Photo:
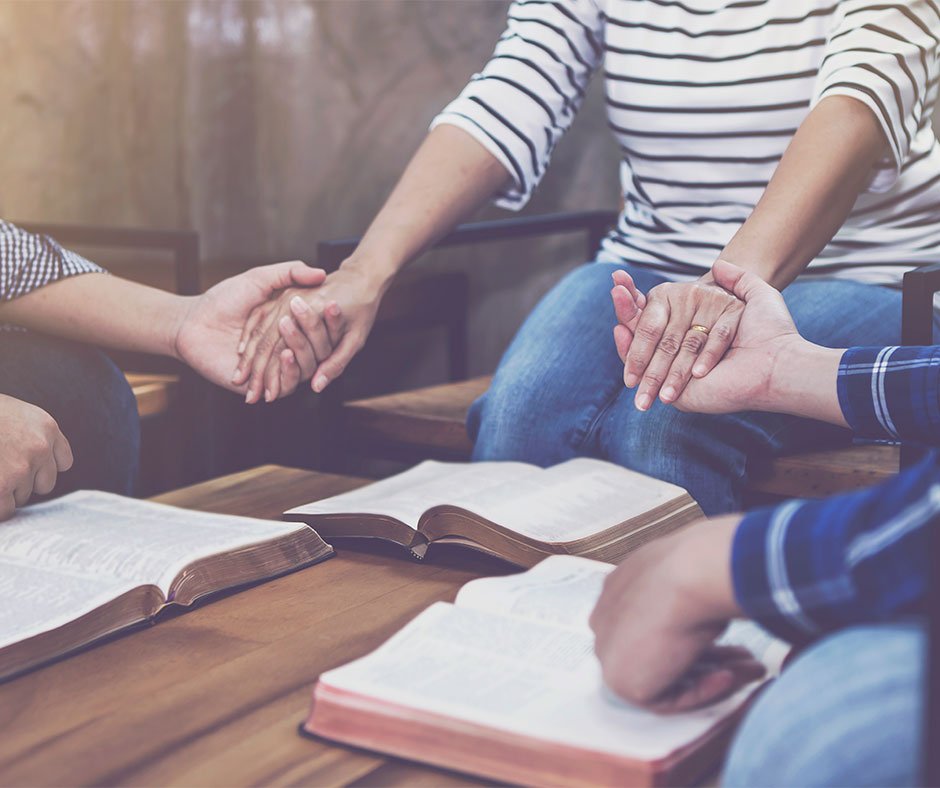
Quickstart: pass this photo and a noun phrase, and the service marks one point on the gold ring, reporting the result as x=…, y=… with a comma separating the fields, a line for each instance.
x=699, y=328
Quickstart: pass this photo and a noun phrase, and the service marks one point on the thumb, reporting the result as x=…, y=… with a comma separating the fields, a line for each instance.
x=744, y=284
x=277, y=276
x=333, y=367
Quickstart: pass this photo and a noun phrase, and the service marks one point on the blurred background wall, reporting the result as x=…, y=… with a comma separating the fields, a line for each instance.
x=265, y=125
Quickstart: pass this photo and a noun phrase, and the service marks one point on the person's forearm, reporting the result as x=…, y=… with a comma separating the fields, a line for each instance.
x=101, y=310
x=824, y=169
x=449, y=176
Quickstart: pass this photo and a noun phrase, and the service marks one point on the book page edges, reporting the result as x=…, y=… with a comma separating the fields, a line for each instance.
x=358, y=525
x=144, y=601
x=248, y=564
x=443, y=522
x=458, y=744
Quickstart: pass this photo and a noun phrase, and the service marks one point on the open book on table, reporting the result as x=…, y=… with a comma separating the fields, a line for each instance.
x=504, y=684
x=78, y=568
x=514, y=510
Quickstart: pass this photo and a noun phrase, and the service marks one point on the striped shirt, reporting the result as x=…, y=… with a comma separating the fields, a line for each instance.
x=29, y=261
x=703, y=97
x=806, y=567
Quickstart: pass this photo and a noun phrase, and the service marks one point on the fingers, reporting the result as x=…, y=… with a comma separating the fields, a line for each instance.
x=251, y=329
x=335, y=322
x=290, y=375
x=44, y=480
x=333, y=367
x=625, y=306
x=743, y=284
x=719, y=340
x=302, y=353
x=313, y=325
x=622, y=339
x=664, y=351
x=623, y=279
x=62, y=453
x=680, y=373
x=646, y=338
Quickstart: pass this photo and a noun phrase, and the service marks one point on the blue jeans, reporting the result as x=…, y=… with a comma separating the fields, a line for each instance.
x=558, y=392
x=848, y=711
x=87, y=396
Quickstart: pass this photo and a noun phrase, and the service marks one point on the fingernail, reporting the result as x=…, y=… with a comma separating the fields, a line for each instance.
x=630, y=380
x=320, y=383
x=643, y=401
x=241, y=347
x=668, y=394
x=248, y=396
x=698, y=370
x=286, y=323
x=298, y=304
x=333, y=309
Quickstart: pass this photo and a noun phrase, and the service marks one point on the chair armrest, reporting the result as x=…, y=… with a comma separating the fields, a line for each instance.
x=184, y=244
x=595, y=223
x=917, y=305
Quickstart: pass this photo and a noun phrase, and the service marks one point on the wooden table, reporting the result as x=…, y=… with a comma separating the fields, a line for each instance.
x=213, y=696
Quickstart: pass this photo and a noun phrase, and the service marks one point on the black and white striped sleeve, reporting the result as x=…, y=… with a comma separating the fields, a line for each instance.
x=29, y=261
x=526, y=96
x=886, y=56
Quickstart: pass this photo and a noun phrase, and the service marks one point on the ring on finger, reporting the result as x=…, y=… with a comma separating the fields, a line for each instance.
x=700, y=328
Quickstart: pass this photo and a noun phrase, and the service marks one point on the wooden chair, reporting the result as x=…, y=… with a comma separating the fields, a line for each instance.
x=166, y=392
x=429, y=422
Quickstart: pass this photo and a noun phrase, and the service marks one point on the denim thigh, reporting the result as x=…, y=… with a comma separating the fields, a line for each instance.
x=848, y=711
x=88, y=397
x=558, y=391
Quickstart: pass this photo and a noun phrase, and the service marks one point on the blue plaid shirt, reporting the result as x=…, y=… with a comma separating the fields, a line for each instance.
x=805, y=567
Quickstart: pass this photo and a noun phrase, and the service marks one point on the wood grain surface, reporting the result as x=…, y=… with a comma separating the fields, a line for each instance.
x=213, y=695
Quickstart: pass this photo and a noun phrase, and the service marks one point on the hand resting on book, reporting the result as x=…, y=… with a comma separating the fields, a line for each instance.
x=659, y=615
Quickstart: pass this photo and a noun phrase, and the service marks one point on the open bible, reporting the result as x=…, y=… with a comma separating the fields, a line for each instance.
x=78, y=568
x=504, y=684
x=514, y=510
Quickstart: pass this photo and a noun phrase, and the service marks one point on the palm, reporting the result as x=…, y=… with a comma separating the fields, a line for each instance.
x=208, y=337
x=744, y=372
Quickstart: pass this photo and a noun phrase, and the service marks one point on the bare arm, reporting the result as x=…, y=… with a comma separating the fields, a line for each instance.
x=450, y=176
x=824, y=169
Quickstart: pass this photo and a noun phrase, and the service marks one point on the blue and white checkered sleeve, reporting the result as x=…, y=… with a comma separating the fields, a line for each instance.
x=892, y=392
x=807, y=567
x=29, y=261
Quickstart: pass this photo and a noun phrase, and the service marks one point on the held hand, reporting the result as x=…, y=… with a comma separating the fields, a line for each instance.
x=324, y=328
x=657, y=618
x=32, y=454
x=208, y=334
x=684, y=325
x=741, y=380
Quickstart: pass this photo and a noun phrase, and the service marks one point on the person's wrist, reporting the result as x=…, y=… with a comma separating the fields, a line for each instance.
x=703, y=568
x=177, y=311
x=801, y=377
x=375, y=271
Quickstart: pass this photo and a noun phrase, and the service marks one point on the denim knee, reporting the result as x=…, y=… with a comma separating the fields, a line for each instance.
x=846, y=712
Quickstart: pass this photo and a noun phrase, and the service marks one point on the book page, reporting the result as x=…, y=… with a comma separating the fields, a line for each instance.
x=406, y=496
x=562, y=590
x=106, y=536
x=571, y=500
x=37, y=600
x=518, y=676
